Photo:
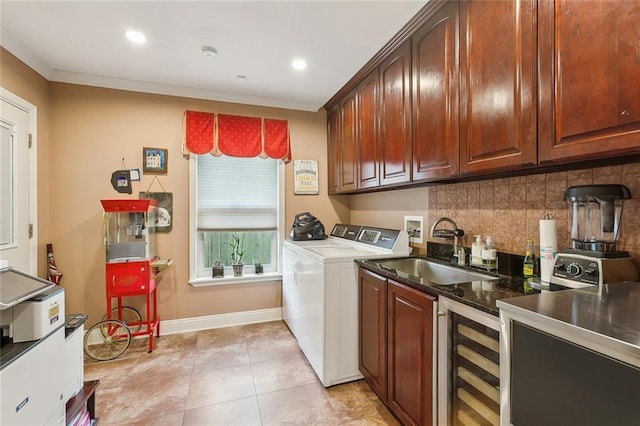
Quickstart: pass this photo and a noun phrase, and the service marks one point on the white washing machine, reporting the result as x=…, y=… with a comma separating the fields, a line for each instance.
x=320, y=294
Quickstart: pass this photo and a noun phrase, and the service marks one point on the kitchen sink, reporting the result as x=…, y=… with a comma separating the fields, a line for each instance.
x=428, y=271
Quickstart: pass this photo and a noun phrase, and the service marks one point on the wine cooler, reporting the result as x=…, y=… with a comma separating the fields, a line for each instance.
x=468, y=365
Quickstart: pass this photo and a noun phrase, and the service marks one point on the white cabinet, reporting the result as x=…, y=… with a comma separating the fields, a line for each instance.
x=33, y=384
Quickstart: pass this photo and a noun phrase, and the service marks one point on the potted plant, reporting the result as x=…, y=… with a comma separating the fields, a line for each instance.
x=217, y=270
x=236, y=245
x=258, y=267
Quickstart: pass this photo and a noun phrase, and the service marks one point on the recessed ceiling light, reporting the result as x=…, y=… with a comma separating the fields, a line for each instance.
x=241, y=78
x=136, y=36
x=209, y=51
x=299, y=64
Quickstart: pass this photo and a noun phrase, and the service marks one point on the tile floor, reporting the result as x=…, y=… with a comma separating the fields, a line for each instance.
x=245, y=375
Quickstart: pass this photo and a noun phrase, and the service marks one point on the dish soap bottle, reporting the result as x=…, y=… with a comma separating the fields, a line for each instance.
x=476, y=251
x=489, y=255
x=529, y=263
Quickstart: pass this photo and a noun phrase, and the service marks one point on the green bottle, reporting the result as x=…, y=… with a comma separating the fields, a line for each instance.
x=529, y=264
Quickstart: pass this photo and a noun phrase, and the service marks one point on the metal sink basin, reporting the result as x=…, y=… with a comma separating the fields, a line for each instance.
x=427, y=271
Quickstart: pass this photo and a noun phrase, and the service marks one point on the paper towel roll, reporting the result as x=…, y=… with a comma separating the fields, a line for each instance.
x=548, y=247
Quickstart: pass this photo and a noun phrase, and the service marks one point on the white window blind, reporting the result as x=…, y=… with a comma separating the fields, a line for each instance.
x=237, y=193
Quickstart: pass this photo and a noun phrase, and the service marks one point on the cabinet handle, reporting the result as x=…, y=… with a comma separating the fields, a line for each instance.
x=442, y=314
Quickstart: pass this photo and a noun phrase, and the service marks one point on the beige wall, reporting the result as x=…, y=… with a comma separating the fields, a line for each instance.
x=388, y=209
x=86, y=132
x=92, y=131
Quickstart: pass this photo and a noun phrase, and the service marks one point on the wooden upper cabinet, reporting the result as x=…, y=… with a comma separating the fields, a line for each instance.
x=395, y=116
x=589, y=79
x=347, y=145
x=333, y=140
x=367, y=127
x=435, y=96
x=498, y=88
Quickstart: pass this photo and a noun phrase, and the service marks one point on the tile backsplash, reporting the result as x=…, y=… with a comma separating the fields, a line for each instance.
x=509, y=209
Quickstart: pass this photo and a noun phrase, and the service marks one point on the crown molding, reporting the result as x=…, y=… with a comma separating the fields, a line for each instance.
x=186, y=92
x=20, y=51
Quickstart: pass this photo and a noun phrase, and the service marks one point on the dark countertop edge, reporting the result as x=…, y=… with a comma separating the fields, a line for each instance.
x=456, y=292
x=69, y=325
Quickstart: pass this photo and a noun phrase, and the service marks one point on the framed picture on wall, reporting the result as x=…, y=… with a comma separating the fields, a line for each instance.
x=154, y=161
x=305, y=177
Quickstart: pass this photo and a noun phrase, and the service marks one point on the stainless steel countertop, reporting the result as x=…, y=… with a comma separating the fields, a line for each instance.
x=606, y=321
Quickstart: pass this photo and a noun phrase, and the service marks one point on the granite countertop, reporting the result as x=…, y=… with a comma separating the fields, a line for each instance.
x=481, y=295
x=608, y=318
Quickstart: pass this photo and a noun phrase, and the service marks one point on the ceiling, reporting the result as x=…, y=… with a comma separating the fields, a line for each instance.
x=83, y=42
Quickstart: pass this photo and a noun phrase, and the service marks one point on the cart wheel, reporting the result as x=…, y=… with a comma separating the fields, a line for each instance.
x=113, y=339
x=130, y=316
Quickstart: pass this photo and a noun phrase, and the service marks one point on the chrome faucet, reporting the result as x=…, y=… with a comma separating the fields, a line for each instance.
x=447, y=234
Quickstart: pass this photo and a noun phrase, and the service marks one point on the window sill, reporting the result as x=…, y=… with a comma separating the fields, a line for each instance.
x=244, y=279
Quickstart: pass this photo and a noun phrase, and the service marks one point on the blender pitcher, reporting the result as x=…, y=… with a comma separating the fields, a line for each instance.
x=596, y=212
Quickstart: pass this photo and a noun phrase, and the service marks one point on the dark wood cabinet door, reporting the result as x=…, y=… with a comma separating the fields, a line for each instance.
x=372, y=327
x=410, y=358
x=333, y=141
x=395, y=117
x=367, y=121
x=435, y=96
x=498, y=89
x=348, y=177
x=589, y=62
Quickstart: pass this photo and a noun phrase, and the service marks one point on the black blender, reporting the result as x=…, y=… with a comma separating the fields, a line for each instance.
x=594, y=259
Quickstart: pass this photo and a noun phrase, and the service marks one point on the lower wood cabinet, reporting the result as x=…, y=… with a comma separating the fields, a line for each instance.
x=396, y=325
x=372, y=327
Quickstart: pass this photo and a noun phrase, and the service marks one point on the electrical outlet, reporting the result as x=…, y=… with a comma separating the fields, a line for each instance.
x=413, y=227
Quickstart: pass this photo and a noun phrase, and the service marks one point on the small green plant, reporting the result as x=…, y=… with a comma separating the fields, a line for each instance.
x=257, y=267
x=236, y=245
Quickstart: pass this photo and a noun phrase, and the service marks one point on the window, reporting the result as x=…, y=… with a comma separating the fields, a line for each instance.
x=234, y=197
x=7, y=190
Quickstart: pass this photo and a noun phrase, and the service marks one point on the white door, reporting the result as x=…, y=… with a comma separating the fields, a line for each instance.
x=17, y=184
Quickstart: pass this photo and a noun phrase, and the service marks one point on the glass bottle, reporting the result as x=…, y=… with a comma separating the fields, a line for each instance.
x=489, y=255
x=529, y=263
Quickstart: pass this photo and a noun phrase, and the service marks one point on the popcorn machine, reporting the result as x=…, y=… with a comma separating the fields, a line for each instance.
x=132, y=265
x=130, y=232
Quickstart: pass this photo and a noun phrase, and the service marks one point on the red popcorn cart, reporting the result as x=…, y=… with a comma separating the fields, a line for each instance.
x=132, y=269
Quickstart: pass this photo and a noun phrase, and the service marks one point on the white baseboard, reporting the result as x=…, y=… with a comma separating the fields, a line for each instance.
x=217, y=321
x=185, y=325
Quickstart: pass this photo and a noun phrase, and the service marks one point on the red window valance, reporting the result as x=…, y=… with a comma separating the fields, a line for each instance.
x=235, y=136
